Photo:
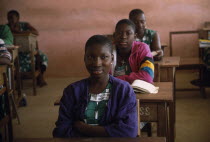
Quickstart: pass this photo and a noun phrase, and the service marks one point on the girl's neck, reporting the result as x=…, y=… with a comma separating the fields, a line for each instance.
x=97, y=85
x=140, y=34
x=124, y=54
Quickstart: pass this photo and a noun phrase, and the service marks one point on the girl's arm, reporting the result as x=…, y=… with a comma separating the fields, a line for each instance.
x=156, y=47
x=64, y=124
x=89, y=130
x=32, y=29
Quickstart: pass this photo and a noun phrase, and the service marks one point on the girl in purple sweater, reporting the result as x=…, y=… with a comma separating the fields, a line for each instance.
x=101, y=105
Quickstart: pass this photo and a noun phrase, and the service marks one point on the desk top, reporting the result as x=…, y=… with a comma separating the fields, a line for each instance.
x=193, y=61
x=12, y=47
x=24, y=34
x=173, y=61
x=138, y=139
x=165, y=93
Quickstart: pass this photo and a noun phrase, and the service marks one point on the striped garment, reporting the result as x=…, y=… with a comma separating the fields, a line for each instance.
x=147, y=65
x=141, y=63
x=4, y=53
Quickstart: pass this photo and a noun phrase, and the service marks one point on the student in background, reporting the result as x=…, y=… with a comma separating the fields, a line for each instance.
x=18, y=27
x=6, y=34
x=133, y=58
x=101, y=105
x=145, y=35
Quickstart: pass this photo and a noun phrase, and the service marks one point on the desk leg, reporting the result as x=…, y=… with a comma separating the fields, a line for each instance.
x=18, y=77
x=202, y=88
x=162, y=120
x=172, y=110
x=171, y=121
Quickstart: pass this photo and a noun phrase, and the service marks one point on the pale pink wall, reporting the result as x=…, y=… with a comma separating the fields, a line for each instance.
x=65, y=25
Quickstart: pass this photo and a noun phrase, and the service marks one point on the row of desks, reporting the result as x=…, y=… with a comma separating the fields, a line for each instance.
x=155, y=107
x=160, y=107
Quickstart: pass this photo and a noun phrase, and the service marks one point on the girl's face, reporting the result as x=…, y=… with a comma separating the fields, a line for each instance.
x=140, y=22
x=12, y=18
x=124, y=36
x=98, y=60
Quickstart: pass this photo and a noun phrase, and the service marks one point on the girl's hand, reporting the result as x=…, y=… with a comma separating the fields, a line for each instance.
x=78, y=125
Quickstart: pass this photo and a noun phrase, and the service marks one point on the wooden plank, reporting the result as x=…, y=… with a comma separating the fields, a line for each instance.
x=191, y=61
x=91, y=139
x=165, y=93
x=4, y=121
x=173, y=61
x=162, y=120
x=178, y=32
x=148, y=112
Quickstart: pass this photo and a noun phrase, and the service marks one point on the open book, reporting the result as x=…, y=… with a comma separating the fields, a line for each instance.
x=140, y=86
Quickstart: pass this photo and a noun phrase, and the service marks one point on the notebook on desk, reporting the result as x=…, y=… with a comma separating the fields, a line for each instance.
x=140, y=86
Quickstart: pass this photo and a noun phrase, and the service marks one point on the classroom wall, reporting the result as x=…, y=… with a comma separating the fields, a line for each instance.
x=65, y=25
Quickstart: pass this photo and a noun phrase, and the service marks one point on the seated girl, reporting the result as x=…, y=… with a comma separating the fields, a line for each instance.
x=134, y=59
x=41, y=59
x=145, y=35
x=100, y=105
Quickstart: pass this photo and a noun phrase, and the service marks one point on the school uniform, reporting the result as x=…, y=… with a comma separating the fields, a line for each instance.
x=119, y=118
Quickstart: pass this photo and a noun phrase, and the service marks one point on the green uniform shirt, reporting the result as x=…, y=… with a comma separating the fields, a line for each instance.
x=6, y=34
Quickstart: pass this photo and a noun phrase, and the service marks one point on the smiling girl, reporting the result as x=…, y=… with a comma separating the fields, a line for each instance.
x=101, y=105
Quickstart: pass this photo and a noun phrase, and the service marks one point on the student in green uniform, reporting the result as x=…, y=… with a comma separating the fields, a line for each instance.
x=148, y=36
x=16, y=26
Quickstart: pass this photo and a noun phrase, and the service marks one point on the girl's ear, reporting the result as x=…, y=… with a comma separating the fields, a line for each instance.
x=112, y=57
x=135, y=36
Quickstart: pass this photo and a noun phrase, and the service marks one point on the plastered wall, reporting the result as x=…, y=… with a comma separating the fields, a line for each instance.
x=65, y=25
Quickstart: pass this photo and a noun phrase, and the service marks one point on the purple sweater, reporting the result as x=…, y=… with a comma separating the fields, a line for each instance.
x=119, y=120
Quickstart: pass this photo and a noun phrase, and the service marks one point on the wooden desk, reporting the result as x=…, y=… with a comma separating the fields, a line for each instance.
x=154, y=107
x=138, y=139
x=25, y=41
x=168, y=66
x=194, y=63
x=15, y=69
x=191, y=62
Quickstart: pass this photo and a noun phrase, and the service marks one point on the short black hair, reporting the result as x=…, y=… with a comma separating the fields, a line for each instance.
x=135, y=12
x=15, y=12
x=126, y=21
x=98, y=39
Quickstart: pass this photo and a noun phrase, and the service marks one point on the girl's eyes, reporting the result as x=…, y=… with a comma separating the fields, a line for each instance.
x=94, y=58
x=104, y=57
x=138, y=22
x=127, y=33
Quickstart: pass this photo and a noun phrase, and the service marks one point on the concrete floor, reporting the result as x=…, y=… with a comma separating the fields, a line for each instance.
x=38, y=118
